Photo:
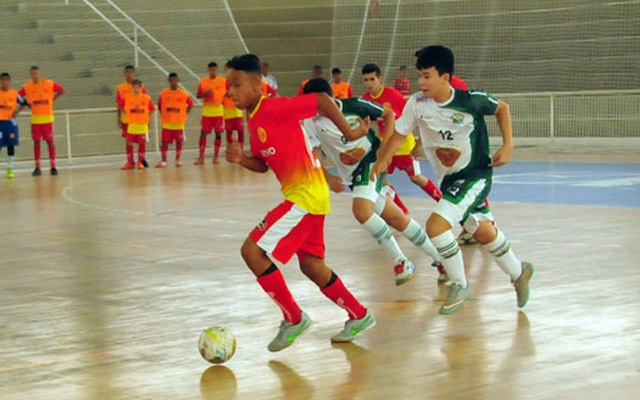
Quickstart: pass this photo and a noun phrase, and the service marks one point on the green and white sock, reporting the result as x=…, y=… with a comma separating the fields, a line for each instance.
x=418, y=237
x=501, y=251
x=451, y=255
x=382, y=233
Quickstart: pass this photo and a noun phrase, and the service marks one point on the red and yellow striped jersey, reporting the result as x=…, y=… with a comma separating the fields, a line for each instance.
x=40, y=98
x=138, y=109
x=212, y=104
x=393, y=99
x=125, y=89
x=173, y=105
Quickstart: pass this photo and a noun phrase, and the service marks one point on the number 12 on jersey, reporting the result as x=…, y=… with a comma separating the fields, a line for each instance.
x=446, y=134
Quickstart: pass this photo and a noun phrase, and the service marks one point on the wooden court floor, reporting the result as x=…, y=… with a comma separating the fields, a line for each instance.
x=108, y=277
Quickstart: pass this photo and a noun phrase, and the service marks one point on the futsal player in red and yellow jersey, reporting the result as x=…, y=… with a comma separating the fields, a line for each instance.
x=340, y=88
x=174, y=104
x=316, y=72
x=138, y=108
x=233, y=116
x=402, y=160
x=211, y=90
x=296, y=226
x=125, y=89
x=40, y=94
x=268, y=90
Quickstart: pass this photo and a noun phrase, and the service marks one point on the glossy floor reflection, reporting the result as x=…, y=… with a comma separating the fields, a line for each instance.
x=108, y=277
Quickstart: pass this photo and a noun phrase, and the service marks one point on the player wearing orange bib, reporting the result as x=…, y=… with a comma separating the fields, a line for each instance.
x=211, y=90
x=296, y=226
x=340, y=88
x=316, y=72
x=125, y=89
x=40, y=94
x=138, y=108
x=402, y=160
x=174, y=104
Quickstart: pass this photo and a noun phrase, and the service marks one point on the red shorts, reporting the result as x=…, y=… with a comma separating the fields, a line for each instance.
x=234, y=124
x=208, y=124
x=405, y=163
x=172, y=135
x=140, y=139
x=288, y=230
x=42, y=132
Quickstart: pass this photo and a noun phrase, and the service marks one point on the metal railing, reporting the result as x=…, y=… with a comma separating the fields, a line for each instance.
x=609, y=117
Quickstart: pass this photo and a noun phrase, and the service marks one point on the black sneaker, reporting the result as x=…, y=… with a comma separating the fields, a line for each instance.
x=36, y=172
x=54, y=171
x=145, y=163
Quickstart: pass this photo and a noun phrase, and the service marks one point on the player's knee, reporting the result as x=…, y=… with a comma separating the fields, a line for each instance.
x=250, y=252
x=362, y=211
x=486, y=232
x=437, y=225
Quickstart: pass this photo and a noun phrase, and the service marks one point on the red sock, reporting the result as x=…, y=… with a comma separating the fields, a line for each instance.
x=486, y=202
x=142, y=148
x=203, y=145
x=52, y=154
x=129, y=153
x=163, y=150
x=340, y=295
x=275, y=286
x=398, y=200
x=36, y=154
x=229, y=137
x=432, y=190
x=216, y=145
x=241, y=137
x=178, y=150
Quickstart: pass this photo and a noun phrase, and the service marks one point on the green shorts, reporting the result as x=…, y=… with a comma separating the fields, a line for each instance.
x=463, y=202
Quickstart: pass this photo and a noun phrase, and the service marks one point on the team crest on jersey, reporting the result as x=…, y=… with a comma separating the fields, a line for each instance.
x=457, y=118
x=262, y=135
x=387, y=104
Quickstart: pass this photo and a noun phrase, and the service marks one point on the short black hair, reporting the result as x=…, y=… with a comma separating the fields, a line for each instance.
x=437, y=56
x=136, y=82
x=265, y=64
x=369, y=68
x=34, y=67
x=5, y=75
x=246, y=63
x=336, y=71
x=129, y=67
x=173, y=75
x=403, y=67
x=212, y=64
x=317, y=85
x=317, y=66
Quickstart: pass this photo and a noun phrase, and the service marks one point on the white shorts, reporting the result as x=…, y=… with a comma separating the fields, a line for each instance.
x=469, y=207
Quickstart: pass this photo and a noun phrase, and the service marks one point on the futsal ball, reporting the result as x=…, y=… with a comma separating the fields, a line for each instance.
x=217, y=345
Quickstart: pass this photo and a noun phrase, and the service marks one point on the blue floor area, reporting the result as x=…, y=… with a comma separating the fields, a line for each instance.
x=602, y=184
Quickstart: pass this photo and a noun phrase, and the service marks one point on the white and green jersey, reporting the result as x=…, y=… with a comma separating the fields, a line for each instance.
x=454, y=134
x=345, y=155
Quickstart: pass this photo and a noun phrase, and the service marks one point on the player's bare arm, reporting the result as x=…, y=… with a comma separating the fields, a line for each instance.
x=503, y=116
x=389, y=147
x=236, y=155
x=335, y=182
x=417, y=151
x=328, y=108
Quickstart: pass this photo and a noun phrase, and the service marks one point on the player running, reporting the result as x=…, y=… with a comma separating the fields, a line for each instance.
x=296, y=226
x=456, y=143
x=174, y=104
x=211, y=90
x=40, y=94
x=402, y=160
x=11, y=103
x=353, y=157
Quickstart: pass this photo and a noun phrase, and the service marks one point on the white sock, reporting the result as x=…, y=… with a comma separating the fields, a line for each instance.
x=451, y=255
x=11, y=161
x=418, y=236
x=501, y=251
x=381, y=232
